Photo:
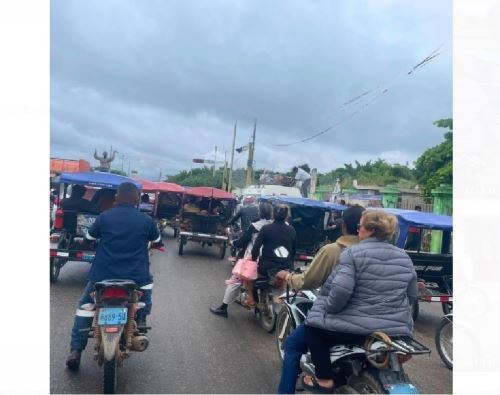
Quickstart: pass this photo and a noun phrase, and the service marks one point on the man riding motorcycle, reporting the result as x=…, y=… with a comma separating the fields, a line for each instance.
x=247, y=214
x=319, y=271
x=122, y=253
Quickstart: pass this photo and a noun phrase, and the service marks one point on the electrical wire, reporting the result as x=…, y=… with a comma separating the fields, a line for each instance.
x=368, y=97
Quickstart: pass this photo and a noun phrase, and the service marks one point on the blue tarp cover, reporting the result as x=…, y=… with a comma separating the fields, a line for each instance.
x=407, y=218
x=423, y=220
x=299, y=201
x=98, y=179
x=336, y=206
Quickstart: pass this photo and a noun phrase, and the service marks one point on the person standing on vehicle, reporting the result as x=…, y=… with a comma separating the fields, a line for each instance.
x=371, y=289
x=245, y=242
x=304, y=177
x=314, y=277
x=277, y=241
x=122, y=253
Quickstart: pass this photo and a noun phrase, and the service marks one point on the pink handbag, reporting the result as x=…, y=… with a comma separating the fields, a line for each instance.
x=245, y=269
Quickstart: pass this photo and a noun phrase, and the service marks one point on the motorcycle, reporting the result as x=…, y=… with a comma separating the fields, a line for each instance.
x=264, y=293
x=373, y=367
x=114, y=328
x=444, y=340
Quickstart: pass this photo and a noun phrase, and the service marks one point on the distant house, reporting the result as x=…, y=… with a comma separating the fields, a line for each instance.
x=366, y=189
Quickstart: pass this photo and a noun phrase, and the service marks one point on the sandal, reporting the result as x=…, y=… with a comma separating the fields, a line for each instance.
x=316, y=388
x=249, y=306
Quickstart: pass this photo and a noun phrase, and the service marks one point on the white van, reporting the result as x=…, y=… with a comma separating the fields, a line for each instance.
x=263, y=190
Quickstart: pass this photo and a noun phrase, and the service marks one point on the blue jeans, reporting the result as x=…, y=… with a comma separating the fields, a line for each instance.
x=295, y=346
x=83, y=318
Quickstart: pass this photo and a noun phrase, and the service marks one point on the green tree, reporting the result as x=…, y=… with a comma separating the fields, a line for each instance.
x=377, y=172
x=435, y=165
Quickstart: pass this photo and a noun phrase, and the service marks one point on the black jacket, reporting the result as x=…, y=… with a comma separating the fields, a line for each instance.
x=278, y=246
x=78, y=204
x=122, y=252
x=247, y=215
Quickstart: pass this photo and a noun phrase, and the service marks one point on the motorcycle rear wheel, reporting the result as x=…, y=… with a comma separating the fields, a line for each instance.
x=444, y=342
x=365, y=383
x=109, y=377
x=345, y=389
x=267, y=317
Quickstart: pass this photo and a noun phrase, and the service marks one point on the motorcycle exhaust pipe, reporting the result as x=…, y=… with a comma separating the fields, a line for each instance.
x=140, y=343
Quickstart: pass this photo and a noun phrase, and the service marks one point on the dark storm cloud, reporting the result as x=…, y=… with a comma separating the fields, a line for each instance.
x=165, y=81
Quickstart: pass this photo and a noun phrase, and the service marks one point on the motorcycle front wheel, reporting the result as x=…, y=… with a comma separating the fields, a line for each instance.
x=109, y=377
x=283, y=330
x=444, y=341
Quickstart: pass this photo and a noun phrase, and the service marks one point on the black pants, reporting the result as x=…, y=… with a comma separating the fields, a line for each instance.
x=271, y=268
x=320, y=341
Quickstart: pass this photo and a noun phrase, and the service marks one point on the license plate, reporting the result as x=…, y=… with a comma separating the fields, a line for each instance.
x=112, y=316
x=88, y=257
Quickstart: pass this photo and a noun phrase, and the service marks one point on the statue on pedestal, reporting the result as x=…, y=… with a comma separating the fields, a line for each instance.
x=105, y=161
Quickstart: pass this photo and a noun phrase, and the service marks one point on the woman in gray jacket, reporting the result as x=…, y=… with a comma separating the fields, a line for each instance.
x=371, y=289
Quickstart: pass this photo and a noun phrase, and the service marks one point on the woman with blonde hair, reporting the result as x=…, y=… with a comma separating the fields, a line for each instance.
x=371, y=289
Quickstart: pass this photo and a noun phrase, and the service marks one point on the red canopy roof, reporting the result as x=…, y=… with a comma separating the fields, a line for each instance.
x=152, y=186
x=209, y=192
x=147, y=186
x=169, y=187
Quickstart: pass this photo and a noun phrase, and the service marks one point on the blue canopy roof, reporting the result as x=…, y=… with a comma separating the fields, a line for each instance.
x=97, y=179
x=423, y=220
x=408, y=218
x=336, y=206
x=299, y=201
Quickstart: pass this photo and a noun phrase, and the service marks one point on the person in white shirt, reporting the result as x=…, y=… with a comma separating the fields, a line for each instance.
x=305, y=179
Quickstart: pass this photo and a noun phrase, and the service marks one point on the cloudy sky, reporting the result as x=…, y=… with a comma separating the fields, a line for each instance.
x=164, y=81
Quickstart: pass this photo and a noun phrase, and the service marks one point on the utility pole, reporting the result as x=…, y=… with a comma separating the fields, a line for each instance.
x=159, y=178
x=215, y=162
x=249, y=178
x=123, y=157
x=224, y=173
x=232, y=157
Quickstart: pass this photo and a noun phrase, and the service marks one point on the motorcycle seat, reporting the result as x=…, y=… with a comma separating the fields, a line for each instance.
x=128, y=284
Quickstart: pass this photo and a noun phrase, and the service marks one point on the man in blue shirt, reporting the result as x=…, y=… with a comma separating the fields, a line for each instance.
x=122, y=253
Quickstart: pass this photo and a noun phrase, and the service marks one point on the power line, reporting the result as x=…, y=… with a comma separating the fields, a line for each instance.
x=375, y=93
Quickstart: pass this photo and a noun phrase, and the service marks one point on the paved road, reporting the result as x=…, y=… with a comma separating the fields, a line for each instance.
x=192, y=351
